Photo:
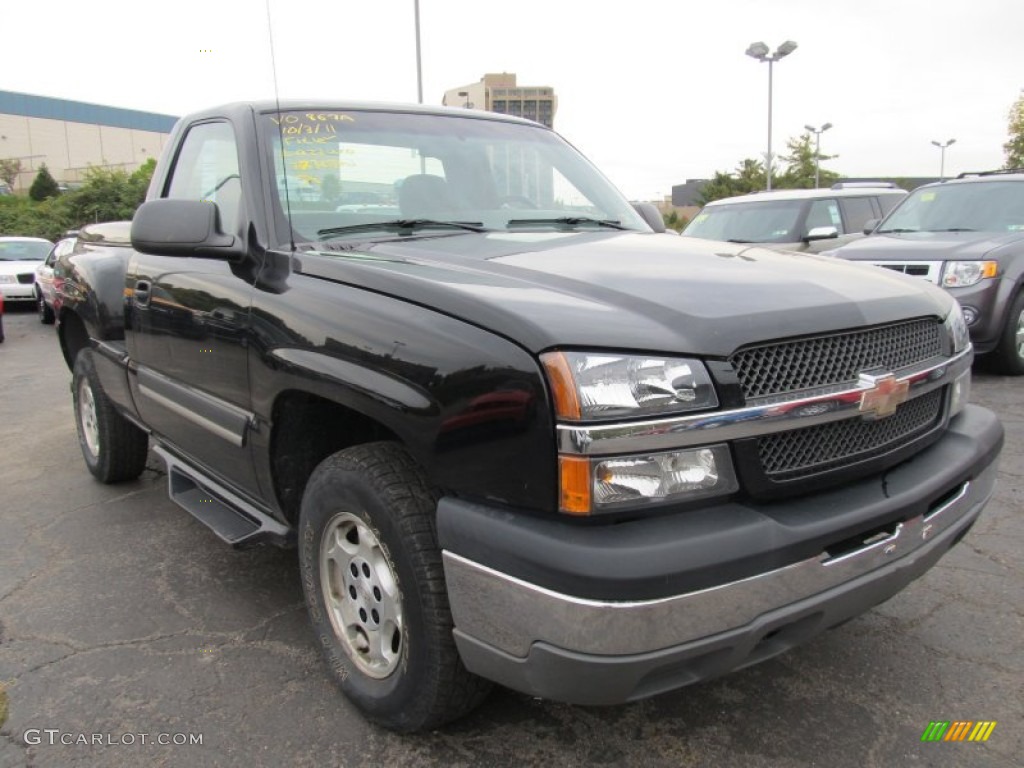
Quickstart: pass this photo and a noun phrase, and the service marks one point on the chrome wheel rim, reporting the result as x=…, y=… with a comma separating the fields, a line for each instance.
x=87, y=418
x=1020, y=335
x=361, y=594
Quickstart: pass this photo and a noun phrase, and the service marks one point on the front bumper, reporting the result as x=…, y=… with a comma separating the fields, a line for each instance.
x=18, y=291
x=532, y=620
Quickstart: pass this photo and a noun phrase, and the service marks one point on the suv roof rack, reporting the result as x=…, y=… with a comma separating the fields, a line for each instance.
x=998, y=172
x=865, y=185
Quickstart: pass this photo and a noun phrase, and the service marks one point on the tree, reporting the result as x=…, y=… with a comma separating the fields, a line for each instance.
x=1014, y=148
x=799, y=173
x=44, y=186
x=673, y=220
x=749, y=177
x=9, y=170
x=109, y=195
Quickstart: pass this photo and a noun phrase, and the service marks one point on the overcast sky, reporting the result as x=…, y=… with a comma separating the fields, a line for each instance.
x=655, y=92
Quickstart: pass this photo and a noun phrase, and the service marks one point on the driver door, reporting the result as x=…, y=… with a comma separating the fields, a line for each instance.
x=187, y=322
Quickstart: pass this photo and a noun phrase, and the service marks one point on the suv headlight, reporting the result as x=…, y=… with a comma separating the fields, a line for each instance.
x=590, y=386
x=961, y=274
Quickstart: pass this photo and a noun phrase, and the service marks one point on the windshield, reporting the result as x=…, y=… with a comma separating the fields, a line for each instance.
x=754, y=222
x=23, y=250
x=338, y=173
x=990, y=206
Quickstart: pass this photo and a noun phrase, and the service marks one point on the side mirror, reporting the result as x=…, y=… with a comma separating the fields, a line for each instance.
x=870, y=224
x=651, y=215
x=182, y=228
x=822, y=233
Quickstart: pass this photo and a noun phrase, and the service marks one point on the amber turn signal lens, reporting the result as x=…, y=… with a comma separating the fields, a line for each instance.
x=563, y=387
x=574, y=483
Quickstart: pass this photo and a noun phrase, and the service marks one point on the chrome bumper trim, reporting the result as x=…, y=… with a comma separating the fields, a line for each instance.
x=740, y=423
x=511, y=615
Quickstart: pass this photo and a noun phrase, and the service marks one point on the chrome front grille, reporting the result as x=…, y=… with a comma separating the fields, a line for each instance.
x=811, y=450
x=929, y=270
x=825, y=361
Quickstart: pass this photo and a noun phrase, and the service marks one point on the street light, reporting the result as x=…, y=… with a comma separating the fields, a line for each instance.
x=817, y=147
x=942, y=160
x=419, y=60
x=759, y=51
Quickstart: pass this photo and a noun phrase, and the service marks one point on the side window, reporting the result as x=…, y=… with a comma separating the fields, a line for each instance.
x=824, y=213
x=857, y=211
x=207, y=169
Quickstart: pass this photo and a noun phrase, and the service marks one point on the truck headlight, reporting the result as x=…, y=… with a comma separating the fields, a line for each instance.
x=595, y=485
x=589, y=386
x=961, y=274
x=956, y=327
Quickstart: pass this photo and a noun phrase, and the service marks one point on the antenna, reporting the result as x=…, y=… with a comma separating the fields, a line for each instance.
x=280, y=130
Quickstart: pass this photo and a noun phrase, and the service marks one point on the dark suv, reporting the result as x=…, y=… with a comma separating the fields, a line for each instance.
x=966, y=235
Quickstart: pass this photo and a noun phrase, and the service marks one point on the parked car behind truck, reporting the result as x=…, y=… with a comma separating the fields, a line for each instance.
x=967, y=235
x=796, y=219
x=515, y=435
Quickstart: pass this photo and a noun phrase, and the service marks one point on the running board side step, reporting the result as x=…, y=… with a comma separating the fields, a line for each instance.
x=235, y=521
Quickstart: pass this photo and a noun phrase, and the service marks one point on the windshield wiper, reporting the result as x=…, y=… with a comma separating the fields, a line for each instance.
x=953, y=229
x=403, y=226
x=895, y=231
x=568, y=221
x=734, y=240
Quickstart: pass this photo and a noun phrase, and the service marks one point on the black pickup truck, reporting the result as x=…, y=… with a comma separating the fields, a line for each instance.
x=516, y=434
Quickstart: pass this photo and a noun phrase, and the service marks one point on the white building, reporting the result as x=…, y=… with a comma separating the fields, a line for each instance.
x=71, y=136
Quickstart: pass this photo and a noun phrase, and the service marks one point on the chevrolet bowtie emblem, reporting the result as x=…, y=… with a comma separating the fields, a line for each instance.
x=884, y=396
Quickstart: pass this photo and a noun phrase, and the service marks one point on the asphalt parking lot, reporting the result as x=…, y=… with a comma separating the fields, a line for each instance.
x=122, y=616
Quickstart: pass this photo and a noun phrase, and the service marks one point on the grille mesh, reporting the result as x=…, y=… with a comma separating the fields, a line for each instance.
x=802, y=452
x=823, y=361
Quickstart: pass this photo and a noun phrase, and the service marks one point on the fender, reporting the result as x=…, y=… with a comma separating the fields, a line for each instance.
x=472, y=407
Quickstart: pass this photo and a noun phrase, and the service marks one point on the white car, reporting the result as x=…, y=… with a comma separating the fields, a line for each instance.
x=19, y=257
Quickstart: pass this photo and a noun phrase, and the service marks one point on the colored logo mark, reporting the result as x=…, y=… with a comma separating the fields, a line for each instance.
x=958, y=730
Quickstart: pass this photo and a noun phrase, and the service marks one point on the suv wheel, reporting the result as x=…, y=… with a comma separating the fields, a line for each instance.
x=1009, y=354
x=375, y=589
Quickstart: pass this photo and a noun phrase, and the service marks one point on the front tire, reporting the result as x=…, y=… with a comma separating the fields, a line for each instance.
x=1008, y=356
x=46, y=316
x=375, y=589
x=114, y=449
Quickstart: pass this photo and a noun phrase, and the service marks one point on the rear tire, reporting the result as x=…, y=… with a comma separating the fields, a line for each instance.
x=46, y=316
x=114, y=449
x=1008, y=356
x=375, y=589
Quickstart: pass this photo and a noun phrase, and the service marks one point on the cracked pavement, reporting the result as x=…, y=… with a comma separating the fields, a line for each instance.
x=120, y=614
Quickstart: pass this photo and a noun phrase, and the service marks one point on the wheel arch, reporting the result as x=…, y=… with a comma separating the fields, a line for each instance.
x=307, y=428
x=72, y=335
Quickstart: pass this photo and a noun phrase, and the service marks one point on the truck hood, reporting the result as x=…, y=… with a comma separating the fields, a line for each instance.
x=926, y=246
x=624, y=290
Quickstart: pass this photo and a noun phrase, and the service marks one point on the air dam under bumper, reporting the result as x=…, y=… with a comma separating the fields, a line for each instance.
x=589, y=651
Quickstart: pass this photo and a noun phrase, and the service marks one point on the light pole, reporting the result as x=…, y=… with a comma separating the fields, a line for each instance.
x=817, y=148
x=759, y=51
x=419, y=61
x=942, y=160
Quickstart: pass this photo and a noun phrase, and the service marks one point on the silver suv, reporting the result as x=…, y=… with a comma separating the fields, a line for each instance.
x=796, y=219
